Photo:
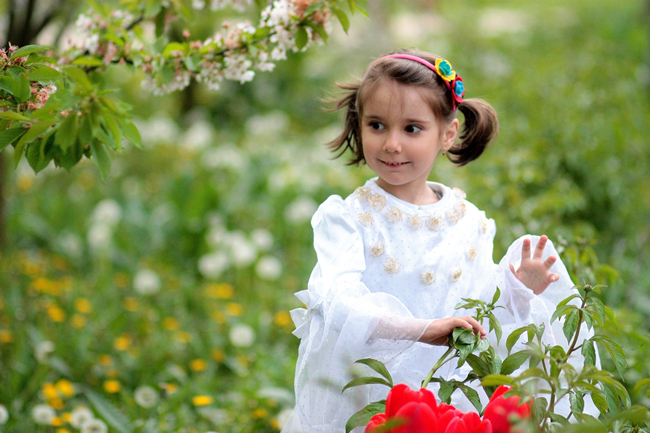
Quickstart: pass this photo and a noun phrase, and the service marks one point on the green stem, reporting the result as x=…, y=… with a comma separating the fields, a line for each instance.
x=442, y=361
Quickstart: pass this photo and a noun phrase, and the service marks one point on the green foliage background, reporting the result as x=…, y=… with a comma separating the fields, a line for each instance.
x=569, y=80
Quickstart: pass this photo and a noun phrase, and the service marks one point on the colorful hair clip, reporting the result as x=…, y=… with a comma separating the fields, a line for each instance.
x=444, y=70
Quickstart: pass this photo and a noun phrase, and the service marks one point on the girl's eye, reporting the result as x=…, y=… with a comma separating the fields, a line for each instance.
x=376, y=126
x=412, y=129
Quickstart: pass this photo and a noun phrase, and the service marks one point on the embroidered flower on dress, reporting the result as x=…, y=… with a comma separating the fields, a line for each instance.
x=462, y=208
x=452, y=216
x=377, y=201
x=393, y=214
x=392, y=265
x=366, y=219
x=435, y=223
x=459, y=193
x=415, y=222
x=482, y=225
x=455, y=274
x=470, y=253
x=428, y=277
x=377, y=248
x=363, y=192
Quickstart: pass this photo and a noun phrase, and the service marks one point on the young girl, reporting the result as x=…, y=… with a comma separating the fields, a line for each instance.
x=397, y=255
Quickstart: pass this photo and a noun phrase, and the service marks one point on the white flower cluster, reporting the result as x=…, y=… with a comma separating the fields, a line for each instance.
x=106, y=216
x=238, y=250
x=215, y=5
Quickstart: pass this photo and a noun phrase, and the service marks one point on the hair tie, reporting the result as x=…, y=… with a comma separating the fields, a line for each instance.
x=444, y=70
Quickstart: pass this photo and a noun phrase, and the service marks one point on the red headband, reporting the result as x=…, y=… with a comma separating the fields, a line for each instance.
x=444, y=70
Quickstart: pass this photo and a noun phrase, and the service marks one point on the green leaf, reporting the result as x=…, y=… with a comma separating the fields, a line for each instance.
x=301, y=38
x=39, y=153
x=514, y=337
x=261, y=33
x=20, y=88
x=567, y=300
x=482, y=345
x=495, y=326
x=109, y=412
x=378, y=366
x=514, y=361
x=562, y=311
x=14, y=116
x=445, y=391
x=79, y=77
x=89, y=61
x=472, y=396
x=131, y=133
x=362, y=417
x=636, y=415
x=641, y=383
x=478, y=365
x=112, y=125
x=343, y=19
x=599, y=400
x=497, y=380
x=366, y=381
x=615, y=351
x=160, y=23
x=589, y=352
x=27, y=50
x=174, y=46
x=45, y=73
x=577, y=402
x=8, y=136
x=321, y=31
x=34, y=132
x=101, y=157
x=68, y=132
x=571, y=324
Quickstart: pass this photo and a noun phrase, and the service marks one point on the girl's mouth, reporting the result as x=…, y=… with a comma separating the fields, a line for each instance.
x=394, y=164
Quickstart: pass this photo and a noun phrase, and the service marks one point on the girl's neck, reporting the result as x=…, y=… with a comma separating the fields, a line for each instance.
x=420, y=195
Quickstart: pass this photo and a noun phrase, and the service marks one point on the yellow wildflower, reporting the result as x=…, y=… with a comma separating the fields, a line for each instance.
x=170, y=323
x=78, y=321
x=56, y=403
x=234, y=309
x=275, y=423
x=65, y=387
x=6, y=336
x=55, y=312
x=105, y=360
x=169, y=388
x=218, y=355
x=122, y=342
x=202, y=400
x=111, y=386
x=282, y=318
x=219, y=317
x=219, y=291
x=198, y=365
x=183, y=337
x=260, y=413
x=62, y=430
x=49, y=390
x=67, y=417
x=56, y=421
x=130, y=304
x=83, y=305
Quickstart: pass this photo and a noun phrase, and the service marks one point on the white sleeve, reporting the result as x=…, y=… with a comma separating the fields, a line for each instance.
x=343, y=321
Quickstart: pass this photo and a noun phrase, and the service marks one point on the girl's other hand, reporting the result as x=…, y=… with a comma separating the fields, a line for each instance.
x=438, y=331
x=534, y=272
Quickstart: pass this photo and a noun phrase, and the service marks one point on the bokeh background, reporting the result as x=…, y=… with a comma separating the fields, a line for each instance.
x=159, y=300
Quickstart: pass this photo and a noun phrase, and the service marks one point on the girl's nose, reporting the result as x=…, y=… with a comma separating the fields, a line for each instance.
x=392, y=143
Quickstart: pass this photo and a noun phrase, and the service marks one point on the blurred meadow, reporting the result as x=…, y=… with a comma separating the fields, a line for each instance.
x=159, y=300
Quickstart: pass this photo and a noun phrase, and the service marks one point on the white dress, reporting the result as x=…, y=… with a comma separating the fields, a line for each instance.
x=387, y=268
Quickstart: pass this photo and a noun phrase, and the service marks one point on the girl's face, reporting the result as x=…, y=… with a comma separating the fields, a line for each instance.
x=401, y=139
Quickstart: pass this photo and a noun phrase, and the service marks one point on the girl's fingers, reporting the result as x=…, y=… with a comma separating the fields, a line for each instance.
x=512, y=268
x=539, y=250
x=549, y=261
x=525, y=250
x=554, y=277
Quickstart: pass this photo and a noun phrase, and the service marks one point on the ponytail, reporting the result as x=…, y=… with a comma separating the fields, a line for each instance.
x=350, y=138
x=480, y=127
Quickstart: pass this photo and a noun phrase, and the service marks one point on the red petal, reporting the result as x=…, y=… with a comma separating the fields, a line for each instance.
x=376, y=421
x=421, y=418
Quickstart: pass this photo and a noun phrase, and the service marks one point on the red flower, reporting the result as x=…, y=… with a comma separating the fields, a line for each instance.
x=469, y=423
x=375, y=422
x=500, y=410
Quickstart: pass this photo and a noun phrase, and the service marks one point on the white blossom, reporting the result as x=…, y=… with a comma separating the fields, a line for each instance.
x=94, y=426
x=107, y=212
x=268, y=268
x=80, y=416
x=300, y=210
x=198, y=136
x=216, y=236
x=262, y=239
x=242, y=251
x=42, y=349
x=225, y=156
x=212, y=265
x=146, y=396
x=146, y=282
x=100, y=237
x=242, y=335
x=216, y=416
x=4, y=414
x=43, y=414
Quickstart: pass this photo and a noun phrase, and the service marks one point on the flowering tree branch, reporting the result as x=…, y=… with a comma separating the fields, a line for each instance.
x=53, y=108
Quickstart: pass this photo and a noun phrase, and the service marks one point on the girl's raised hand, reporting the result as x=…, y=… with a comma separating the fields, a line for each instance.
x=534, y=272
x=438, y=331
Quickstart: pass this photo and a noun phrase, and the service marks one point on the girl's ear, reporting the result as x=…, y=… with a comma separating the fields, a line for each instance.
x=449, y=134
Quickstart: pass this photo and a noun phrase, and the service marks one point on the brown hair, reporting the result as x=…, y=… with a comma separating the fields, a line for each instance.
x=480, y=126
